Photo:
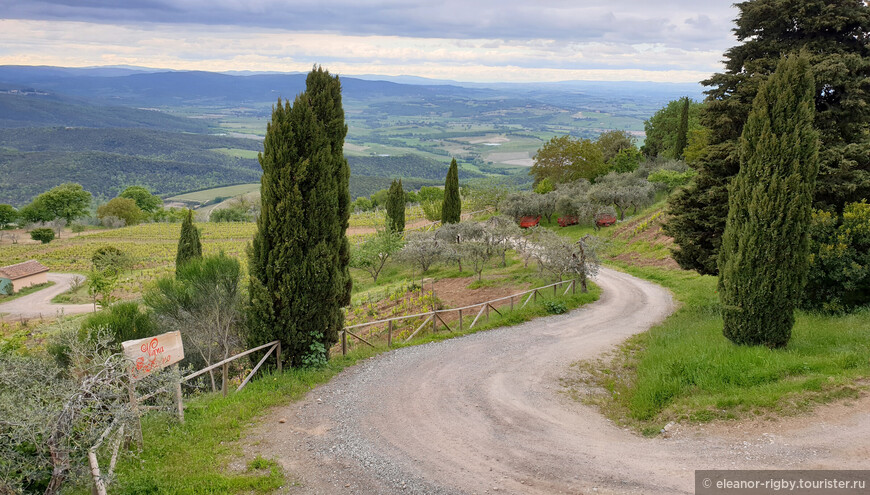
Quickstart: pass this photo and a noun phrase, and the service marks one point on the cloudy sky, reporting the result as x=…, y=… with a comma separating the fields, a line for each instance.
x=466, y=40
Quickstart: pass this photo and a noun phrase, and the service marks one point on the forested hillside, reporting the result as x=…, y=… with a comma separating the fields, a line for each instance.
x=24, y=175
x=33, y=109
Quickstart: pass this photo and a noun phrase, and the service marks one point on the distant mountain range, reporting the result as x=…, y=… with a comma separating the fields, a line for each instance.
x=176, y=131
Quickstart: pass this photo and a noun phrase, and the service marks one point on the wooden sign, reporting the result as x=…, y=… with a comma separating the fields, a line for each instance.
x=153, y=353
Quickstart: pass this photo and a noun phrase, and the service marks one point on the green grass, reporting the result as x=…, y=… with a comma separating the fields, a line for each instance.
x=74, y=296
x=25, y=292
x=685, y=369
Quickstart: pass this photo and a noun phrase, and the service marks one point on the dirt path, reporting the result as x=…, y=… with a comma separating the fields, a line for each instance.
x=39, y=303
x=485, y=413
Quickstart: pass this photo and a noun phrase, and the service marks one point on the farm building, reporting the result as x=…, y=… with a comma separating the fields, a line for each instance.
x=13, y=278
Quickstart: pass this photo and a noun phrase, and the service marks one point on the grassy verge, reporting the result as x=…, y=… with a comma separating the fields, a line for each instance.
x=193, y=458
x=76, y=295
x=25, y=292
x=685, y=370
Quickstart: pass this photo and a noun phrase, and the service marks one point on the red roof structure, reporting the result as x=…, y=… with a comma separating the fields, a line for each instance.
x=21, y=270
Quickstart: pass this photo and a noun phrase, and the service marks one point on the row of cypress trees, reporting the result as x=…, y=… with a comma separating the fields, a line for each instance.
x=298, y=259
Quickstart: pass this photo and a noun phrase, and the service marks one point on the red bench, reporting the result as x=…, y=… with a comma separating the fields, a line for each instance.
x=566, y=221
x=527, y=222
x=605, y=221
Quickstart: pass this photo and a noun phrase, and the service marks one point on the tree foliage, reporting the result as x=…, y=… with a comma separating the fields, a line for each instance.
x=451, y=209
x=146, y=201
x=614, y=141
x=763, y=261
x=189, y=245
x=834, y=35
x=298, y=261
x=8, y=215
x=396, y=207
x=663, y=129
x=68, y=201
x=123, y=208
x=682, y=130
x=565, y=159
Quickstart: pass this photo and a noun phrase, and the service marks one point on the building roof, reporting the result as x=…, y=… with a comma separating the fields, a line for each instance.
x=21, y=270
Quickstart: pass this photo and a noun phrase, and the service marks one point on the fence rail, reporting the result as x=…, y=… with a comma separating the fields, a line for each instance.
x=434, y=316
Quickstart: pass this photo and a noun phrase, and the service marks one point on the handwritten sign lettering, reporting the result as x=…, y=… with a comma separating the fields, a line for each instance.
x=153, y=353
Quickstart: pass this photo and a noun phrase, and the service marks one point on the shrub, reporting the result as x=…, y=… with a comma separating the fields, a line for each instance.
x=555, y=307
x=43, y=235
x=123, y=320
x=839, y=274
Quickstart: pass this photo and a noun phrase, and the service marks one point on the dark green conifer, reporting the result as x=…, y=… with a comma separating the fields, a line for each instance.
x=834, y=34
x=189, y=246
x=396, y=207
x=451, y=209
x=764, y=258
x=298, y=261
x=682, y=130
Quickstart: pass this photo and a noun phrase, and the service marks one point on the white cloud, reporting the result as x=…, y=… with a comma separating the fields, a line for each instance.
x=224, y=47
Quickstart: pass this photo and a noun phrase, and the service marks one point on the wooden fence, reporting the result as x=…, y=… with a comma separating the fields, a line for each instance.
x=435, y=315
x=100, y=484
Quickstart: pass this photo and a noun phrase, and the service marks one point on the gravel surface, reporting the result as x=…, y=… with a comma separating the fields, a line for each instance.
x=38, y=304
x=485, y=413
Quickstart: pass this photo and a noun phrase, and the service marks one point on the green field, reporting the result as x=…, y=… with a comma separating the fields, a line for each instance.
x=238, y=153
x=208, y=195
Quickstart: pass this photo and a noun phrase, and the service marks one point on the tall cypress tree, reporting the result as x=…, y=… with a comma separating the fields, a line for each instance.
x=451, y=209
x=298, y=260
x=764, y=256
x=835, y=34
x=396, y=207
x=683, y=130
x=189, y=246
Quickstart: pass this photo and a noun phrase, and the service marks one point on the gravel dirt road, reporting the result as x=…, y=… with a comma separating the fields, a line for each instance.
x=39, y=303
x=486, y=413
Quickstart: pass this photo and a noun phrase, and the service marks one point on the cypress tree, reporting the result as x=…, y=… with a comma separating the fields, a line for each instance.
x=834, y=34
x=298, y=260
x=396, y=207
x=189, y=246
x=682, y=130
x=451, y=209
x=764, y=256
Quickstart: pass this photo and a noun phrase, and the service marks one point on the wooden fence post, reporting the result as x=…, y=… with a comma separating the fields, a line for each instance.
x=278, y=357
x=226, y=375
x=460, y=320
x=131, y=389
x=179, y=396
x=574, y=286
x=535, y=295
x=554, y=290
x=344, y=342
x=512, y=303
x=487, y=312
x=434, y=323
x=390, y=333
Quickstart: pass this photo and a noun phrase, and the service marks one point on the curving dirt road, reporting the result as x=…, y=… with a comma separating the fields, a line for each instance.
x=486, y=413
x=39, y=303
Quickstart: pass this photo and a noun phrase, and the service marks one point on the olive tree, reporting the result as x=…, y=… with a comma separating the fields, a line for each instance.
x=372, y=255
x=422, y=250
